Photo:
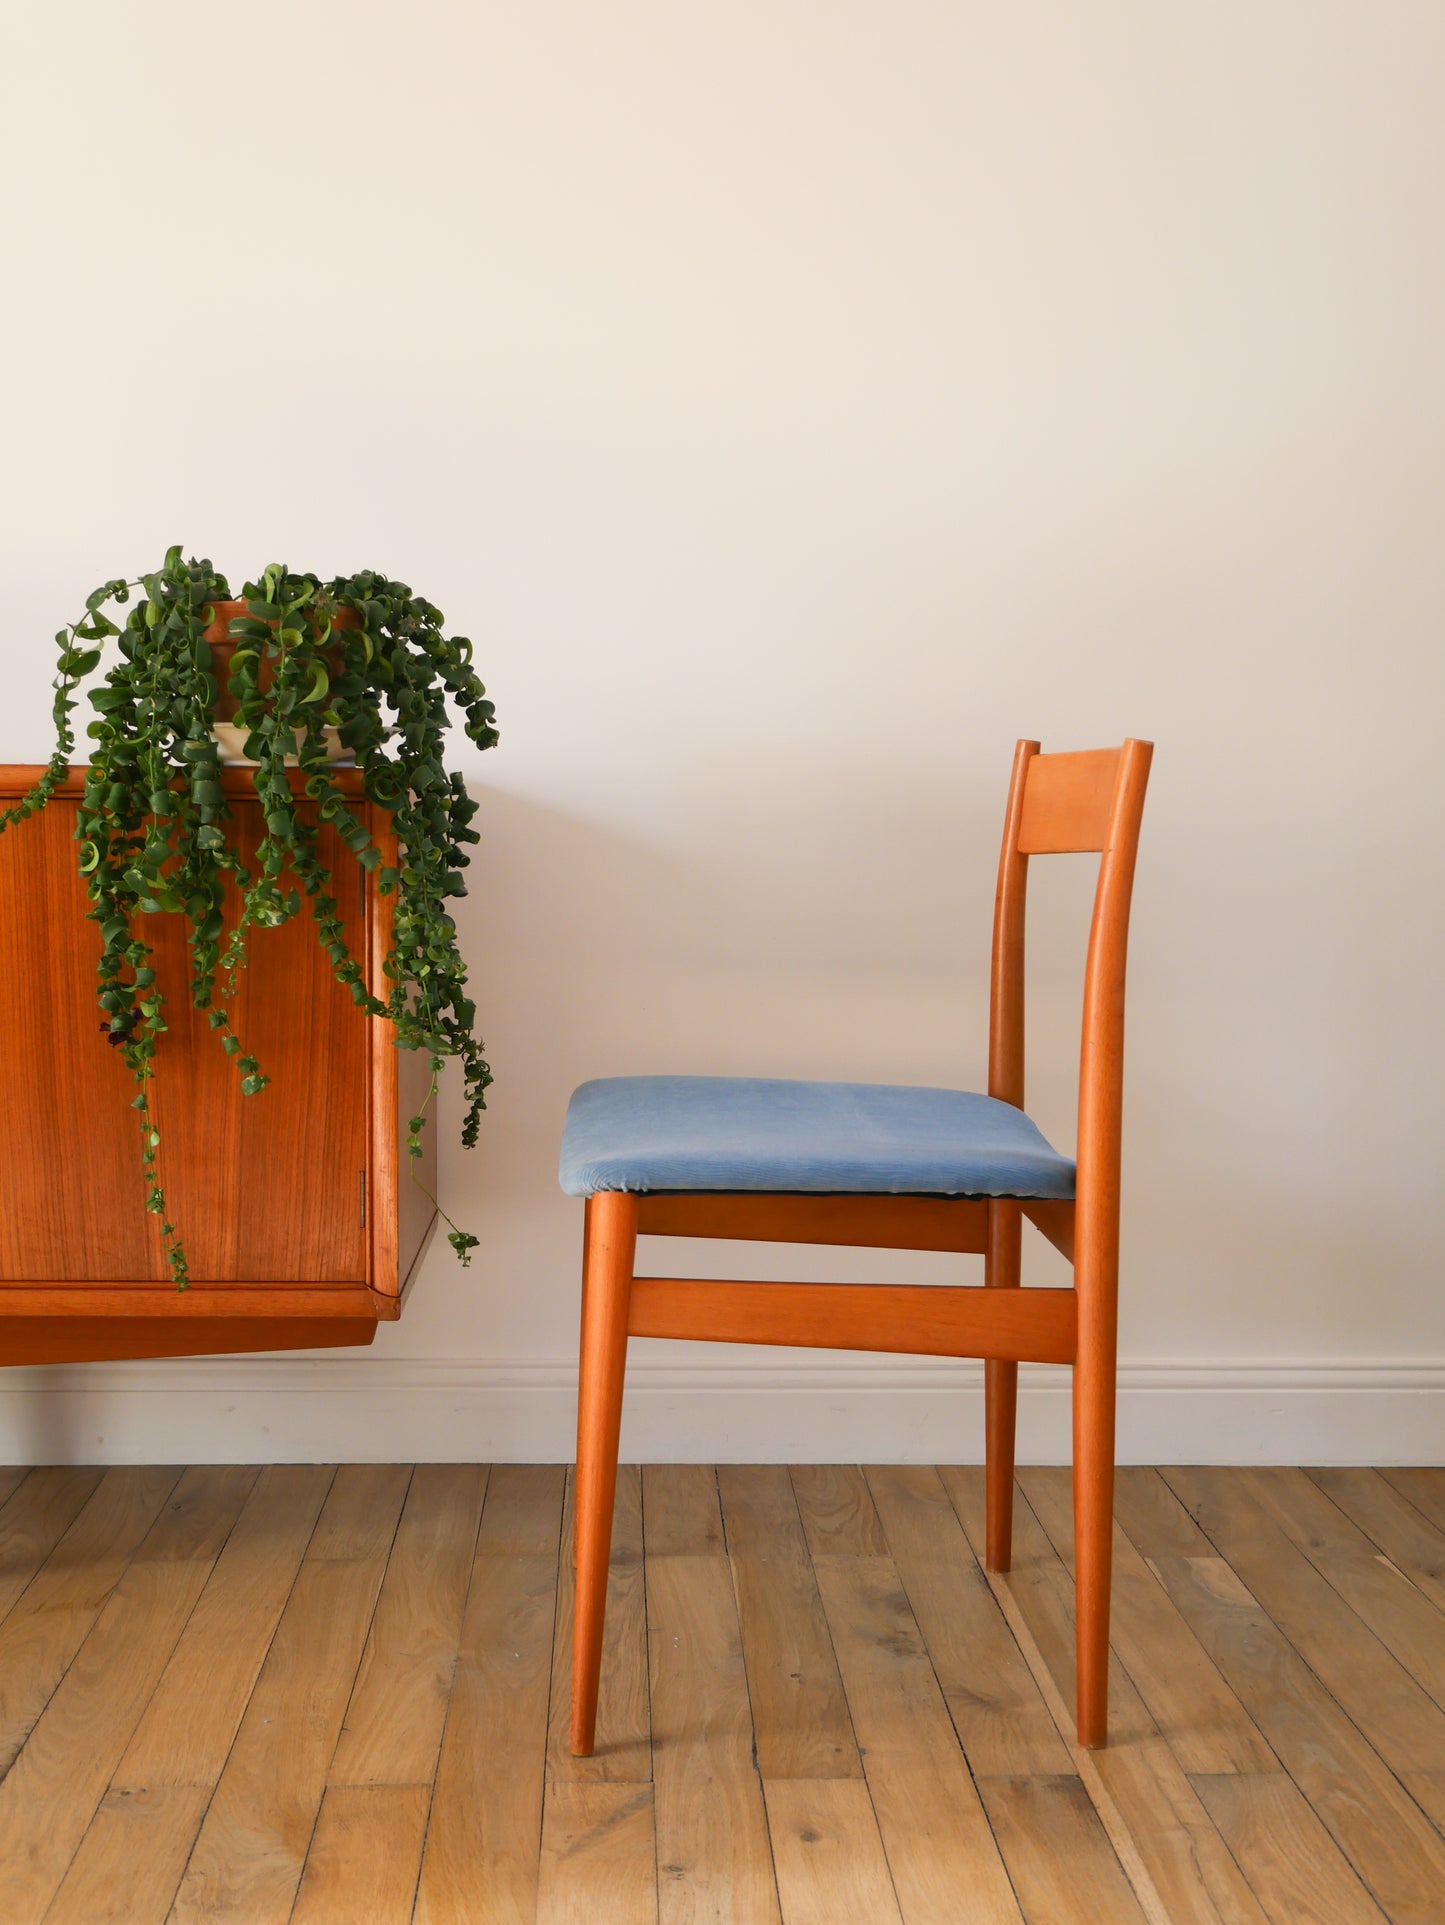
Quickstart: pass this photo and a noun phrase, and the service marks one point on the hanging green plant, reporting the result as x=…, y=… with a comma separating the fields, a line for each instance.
x=356, y=667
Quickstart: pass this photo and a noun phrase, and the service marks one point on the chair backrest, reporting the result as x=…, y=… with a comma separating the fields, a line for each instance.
x=1092, y=800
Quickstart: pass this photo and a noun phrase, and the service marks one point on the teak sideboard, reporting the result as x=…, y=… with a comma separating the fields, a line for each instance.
x=301, y=1224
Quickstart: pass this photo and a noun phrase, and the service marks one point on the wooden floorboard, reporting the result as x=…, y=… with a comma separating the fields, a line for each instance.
x=1179, y=1869
x=1370, y=1684
x=365, y=1855
x=801, y=1726
x=998, y=1710
x=1376, y=1823
x=599, y=1854
x=252, y=1848
x=50, y=1620
x=713, y=1858
x=311, y=1695
x=483, y=1843
x=393, y=1727
x=37, y=1515
x=1398, y=1531
x=934, y=1830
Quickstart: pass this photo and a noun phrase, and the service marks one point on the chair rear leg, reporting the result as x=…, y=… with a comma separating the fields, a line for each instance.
x=1001, y=1270
x=1094, y=1400
x=1000, y=1404
x=611, y=1242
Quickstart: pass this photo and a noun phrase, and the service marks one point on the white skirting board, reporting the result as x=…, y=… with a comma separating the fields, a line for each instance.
x=377, y=1409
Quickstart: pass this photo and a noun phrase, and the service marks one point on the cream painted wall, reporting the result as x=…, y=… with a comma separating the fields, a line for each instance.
x=798, y=402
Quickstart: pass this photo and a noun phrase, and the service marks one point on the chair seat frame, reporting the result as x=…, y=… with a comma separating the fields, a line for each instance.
x=1087, y=801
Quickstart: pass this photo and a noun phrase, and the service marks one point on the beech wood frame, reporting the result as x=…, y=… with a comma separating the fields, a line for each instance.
x=1089, y=801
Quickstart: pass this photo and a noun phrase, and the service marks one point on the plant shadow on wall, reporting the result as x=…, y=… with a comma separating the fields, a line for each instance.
x=295, y=678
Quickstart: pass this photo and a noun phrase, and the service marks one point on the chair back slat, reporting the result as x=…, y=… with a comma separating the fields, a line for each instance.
x=1088, y=801
x=1068, y=801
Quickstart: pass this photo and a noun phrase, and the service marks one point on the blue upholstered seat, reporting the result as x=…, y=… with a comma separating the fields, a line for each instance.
x=644, y=1133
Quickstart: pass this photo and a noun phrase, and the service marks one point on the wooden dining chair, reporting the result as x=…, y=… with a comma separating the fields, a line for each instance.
x=893, y=1168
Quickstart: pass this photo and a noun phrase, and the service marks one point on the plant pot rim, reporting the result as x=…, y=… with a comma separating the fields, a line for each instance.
x=224, y=613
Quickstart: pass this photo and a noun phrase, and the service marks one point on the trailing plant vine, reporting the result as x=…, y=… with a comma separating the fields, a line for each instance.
x=151, y=826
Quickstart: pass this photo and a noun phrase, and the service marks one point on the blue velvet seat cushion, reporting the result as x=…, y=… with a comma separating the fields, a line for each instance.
x=750, y=1133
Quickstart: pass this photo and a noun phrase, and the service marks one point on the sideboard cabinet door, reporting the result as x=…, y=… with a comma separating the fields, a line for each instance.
x=266, y=1189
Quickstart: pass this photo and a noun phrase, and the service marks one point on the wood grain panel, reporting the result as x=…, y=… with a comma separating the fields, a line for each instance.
x=1180, y=1869
x=1407, y=1727
x=265, y=1187
x=1380, y=1829
x=714, y=1861
x=829, y=1858
x=936, y=1320
x=1003, y=1724
x=1058, y=1854
x=61, y=1085
x=1068, y=802
x=681, y=1510
x=933, y=1827
x=50, y=1794
x=1422, y=1486
x=198, y=1517
x=248, y=1859
x=34, y=1521
x=481, y=1860
x=880, y=1222
x=1209, y=1729
x=189, y=1724
x=200, y=1329
x=1156, y=1522
x=599, y=1859
x=1401, y=1533
x=103, y=1805
x=53, y=1616
x=363, y=1862
x=522, y=1515
x=836, y=1507
x=362, y=1511
x=1397, y=1605
x=131, y=1859
x=801, y=1725
x=394, y=1722
x=1296, y=1868
x=302, y=1142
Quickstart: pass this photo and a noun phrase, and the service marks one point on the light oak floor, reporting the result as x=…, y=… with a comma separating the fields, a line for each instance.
x=316, y=1694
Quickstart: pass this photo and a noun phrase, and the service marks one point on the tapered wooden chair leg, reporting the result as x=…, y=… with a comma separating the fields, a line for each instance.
x=1000, y=1392
x=582, y=1345
x=1093, y=1537
x=611, y=1246
x=1000, y=1401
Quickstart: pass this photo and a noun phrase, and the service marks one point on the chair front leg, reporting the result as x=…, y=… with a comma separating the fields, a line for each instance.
x=611, y=1243
x=582, y=1341
x=1001, y=1270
